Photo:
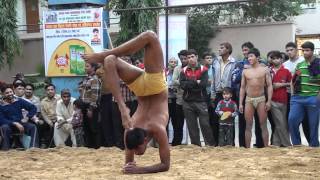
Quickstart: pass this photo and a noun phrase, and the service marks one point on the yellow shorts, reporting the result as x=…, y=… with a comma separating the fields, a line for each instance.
x=149, y=84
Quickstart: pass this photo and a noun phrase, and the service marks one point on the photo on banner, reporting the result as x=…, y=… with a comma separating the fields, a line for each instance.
x=67, y=35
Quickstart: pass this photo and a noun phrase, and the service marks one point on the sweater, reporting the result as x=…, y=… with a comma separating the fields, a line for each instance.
x=10, y=113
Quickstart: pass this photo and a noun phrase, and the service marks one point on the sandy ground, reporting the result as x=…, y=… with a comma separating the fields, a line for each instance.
x=187, y=162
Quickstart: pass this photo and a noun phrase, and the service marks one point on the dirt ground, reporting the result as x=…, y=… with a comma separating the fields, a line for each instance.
x=187, y=162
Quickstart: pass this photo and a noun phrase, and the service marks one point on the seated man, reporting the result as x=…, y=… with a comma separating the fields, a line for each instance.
x=151, y=118
x=63, y=128
x=11, y=118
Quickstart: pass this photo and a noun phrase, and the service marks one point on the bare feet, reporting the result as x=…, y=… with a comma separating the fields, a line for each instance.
x=93, y=58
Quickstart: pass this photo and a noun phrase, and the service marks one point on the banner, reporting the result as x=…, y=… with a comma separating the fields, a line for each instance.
x=177, y=37
x=67, y=34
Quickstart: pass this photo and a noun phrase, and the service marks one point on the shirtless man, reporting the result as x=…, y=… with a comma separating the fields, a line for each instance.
x=149, y=85
x=253, y=83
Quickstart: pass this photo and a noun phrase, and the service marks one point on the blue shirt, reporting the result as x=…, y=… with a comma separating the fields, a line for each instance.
x=12, y=112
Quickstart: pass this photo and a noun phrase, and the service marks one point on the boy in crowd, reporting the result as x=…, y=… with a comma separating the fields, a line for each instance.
x=280, y=81
x=227, y=110
x=253, y=83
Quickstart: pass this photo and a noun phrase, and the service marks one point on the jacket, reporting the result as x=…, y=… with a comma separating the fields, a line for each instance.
x=193, y=91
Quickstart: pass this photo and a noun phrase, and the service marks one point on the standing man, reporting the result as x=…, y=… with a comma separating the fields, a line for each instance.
x=179, y=120
x=207, y=62
x=291, y=64
x=48, y=110
x=305, y=100
x=235, y=84
x=171, y=91
x=280, y=81
x=108, y=138
x=253, y=83
x=90, y=94
x=194, y=80
x=223, y=68
x=149, y=85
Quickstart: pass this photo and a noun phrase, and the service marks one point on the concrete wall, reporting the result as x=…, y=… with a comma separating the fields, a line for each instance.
x=265, y=37
x=31, y=57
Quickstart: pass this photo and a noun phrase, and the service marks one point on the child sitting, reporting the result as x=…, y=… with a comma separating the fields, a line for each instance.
x=227, y=110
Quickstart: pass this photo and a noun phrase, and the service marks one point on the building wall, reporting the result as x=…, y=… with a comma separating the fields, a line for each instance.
x=266, y=37
x=27, y=63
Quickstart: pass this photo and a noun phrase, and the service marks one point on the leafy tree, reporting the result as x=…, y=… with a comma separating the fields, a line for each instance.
x=203, y=21
x=9, y=41
x=133, y=23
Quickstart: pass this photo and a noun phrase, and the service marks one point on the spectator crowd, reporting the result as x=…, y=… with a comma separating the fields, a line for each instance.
x=207, y=92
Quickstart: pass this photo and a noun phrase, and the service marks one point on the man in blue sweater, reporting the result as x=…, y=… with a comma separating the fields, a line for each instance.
x=12, y=119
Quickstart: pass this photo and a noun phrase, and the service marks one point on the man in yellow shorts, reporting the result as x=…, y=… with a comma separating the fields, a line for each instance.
x=149, y=85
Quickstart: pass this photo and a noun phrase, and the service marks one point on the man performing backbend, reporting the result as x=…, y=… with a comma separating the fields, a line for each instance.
x=151, y=118
x=253, y=83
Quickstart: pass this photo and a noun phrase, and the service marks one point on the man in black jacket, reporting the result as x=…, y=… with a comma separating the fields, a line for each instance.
x=194, y=80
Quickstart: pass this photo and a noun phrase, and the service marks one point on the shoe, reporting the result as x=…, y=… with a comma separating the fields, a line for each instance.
x=43, y=146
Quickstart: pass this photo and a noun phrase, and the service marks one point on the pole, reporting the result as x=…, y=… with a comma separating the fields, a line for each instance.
x=167, y=34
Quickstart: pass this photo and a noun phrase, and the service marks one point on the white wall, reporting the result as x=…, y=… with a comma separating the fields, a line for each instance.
x=308, y=22
x=265, y=37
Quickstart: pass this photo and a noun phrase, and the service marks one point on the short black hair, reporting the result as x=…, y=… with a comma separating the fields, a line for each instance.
x=31, y=85
x=135, y=137
x=95, y=30
x=183, y=53
x=49, y=85
x=269, y=54
x=15, y=85
x=95, y=66
x=192, y=51
x=18, y=81
x=248, y=45
x=285, y=57
x=227, y=90
x=254, y=51
x=206, y=54
x=291, y=44
x=308, y=45
x=80, y=105
x=5, y=87
x=276, y=54
x=65, y=91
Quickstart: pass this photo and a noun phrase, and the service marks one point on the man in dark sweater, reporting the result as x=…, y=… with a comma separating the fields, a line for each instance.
x=194, y=80
x=12, y=119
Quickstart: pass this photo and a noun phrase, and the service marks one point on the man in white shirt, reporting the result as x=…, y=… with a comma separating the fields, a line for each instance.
x=294, y=59
x=63, y=128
